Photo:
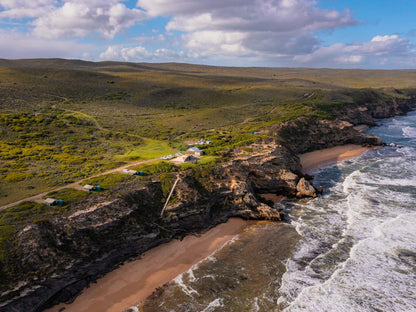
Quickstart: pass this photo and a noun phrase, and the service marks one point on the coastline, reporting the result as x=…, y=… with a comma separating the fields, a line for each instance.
x=133, y=282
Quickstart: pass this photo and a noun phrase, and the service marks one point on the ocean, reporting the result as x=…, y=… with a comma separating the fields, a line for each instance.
x=351, y=249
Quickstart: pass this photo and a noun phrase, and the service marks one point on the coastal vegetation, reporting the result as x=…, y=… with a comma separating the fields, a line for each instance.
x=64, y=121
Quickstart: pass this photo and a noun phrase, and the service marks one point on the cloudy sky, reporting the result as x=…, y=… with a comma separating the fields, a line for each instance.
x=301, y=33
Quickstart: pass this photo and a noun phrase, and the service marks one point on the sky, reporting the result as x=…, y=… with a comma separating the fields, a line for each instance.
x=375, y=34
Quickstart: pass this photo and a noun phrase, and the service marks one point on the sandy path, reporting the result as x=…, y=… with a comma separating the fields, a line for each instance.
x=133, y=282
x=317, y=159
x=77, y=185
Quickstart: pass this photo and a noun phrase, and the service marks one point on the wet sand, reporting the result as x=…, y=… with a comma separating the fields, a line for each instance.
x=133, y=282
x=317, y=159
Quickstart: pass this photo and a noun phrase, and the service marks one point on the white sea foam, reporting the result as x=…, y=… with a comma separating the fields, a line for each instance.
x=409, y=132
x=372, y=277
x=189, y=274
x=185, y=288
x=370, y=220
x=217, y=303
x=256, y=306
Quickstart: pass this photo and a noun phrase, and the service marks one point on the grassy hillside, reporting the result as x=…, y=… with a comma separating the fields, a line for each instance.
x=62, y=120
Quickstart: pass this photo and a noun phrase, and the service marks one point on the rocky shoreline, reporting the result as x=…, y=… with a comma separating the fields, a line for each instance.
x=66, y=254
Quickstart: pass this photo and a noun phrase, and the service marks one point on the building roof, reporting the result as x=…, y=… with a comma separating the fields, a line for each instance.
x=183, y=159
x=194, y=149
x=129, y=171
x=50, y=201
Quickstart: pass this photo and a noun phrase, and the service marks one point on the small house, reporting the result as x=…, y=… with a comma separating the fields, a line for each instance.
x=168, y=157
x=185, y=159
x=128, y=171
x=88, y=187
x=195, y=151
x=54, y=202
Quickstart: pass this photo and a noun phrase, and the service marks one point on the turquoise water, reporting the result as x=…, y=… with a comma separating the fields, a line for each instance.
x=352, y=249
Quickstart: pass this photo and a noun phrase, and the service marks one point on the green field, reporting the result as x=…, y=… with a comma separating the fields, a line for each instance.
x=63, y=120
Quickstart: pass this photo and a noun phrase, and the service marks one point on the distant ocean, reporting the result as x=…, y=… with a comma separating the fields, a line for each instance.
x=352, y=249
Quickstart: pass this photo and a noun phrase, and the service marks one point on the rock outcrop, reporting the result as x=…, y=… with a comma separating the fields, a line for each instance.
x=304, y=134
x=305, y=189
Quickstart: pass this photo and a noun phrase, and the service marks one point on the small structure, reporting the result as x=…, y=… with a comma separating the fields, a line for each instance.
x=202, y=142
x=128, y=171
x=133, y=172
x=88, y=187
x=185, y=159
x=92, y=188
x=195, y=151
x=54, y=202
x=168, y=157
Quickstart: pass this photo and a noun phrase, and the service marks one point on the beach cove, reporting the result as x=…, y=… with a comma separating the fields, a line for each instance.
x=134, y=281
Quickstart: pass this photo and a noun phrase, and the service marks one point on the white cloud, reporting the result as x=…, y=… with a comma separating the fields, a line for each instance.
x=169, y=7
x=15, y=45
x=387, y=50
x=81, y=18
x=124, y=54
x=247, y=27
x=16, y=9
x=211, y=43
x=141, y=54
x=234, y=32
x=73, y=18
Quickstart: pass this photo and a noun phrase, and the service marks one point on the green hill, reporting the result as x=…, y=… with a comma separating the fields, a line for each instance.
x=62, y=120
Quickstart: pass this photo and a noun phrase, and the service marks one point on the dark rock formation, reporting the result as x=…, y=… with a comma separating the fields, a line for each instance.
x=304, y=134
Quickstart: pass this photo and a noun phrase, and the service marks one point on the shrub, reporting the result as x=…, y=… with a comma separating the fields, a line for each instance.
x=17, y=176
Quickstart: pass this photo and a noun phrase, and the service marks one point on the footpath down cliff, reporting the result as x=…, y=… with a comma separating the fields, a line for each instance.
x=59, y=257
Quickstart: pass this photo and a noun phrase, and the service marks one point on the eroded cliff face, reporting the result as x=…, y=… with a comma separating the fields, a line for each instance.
x=305, y=134
x=59, y=257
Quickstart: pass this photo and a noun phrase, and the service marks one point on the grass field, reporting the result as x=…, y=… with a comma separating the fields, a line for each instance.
x=63, y=120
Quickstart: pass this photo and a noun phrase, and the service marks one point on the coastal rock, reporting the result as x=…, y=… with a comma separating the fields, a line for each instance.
x=305, y=134
x=305, y=188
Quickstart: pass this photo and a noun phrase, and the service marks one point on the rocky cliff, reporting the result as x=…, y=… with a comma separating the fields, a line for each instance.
x=59, y=257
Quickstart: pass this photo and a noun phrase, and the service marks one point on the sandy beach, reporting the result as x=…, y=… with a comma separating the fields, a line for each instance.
x=134, y=281
x=317, y=159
